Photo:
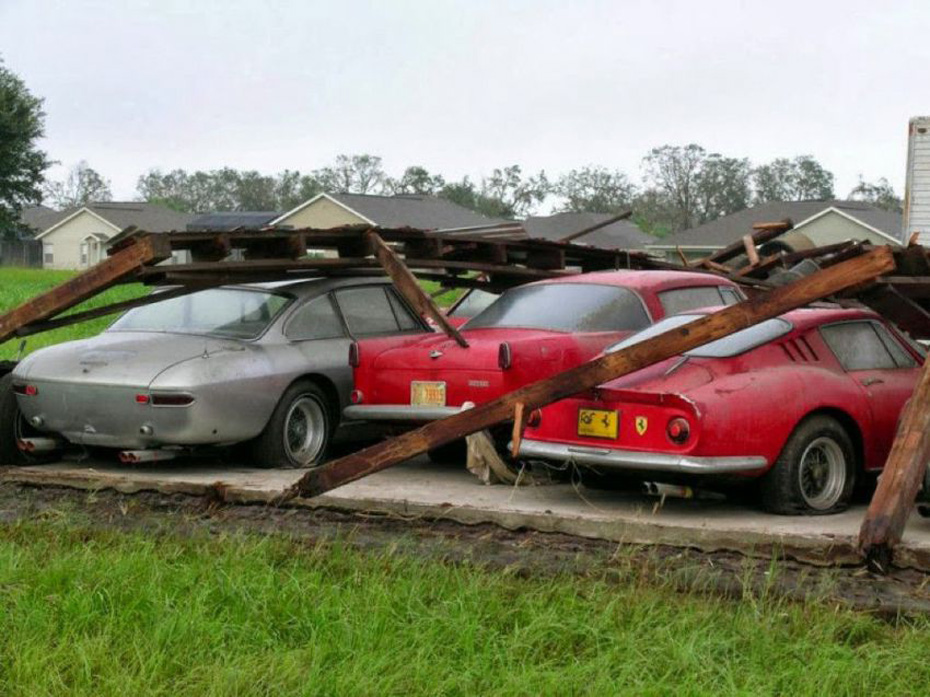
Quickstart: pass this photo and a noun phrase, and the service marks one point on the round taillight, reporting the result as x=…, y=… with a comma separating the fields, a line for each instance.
x=535, y=418
x=356, y=397
x=678, y=430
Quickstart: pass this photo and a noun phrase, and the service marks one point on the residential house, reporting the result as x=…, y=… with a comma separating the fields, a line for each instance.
x=416, y=211
x=620, y=234
x=78, y=237
x=816, y=223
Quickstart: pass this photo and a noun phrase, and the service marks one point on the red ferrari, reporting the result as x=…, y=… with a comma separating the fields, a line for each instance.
x=804, y=403
x=529, y=333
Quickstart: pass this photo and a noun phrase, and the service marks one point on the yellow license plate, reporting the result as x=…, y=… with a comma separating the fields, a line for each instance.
x=428, y=394
x=599, y=423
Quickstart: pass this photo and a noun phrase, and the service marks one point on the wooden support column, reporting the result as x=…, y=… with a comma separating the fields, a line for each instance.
x=894, y=497
x=407, y=285
x=613, y=365
x=147, y=249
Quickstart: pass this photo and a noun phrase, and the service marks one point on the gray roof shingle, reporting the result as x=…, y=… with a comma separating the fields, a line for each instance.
x=247, y=220
x=723, y=231
x=622, y=234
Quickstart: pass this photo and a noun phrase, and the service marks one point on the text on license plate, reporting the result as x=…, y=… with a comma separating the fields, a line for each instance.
x=428, y=394
x=599, y=423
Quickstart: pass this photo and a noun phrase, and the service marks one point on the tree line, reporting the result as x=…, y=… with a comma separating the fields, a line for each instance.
x=678, y=187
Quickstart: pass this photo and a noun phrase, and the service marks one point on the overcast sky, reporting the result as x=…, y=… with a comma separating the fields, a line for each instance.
x=463, y=87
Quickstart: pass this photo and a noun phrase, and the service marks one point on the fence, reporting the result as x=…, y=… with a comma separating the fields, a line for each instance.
x=27, y=253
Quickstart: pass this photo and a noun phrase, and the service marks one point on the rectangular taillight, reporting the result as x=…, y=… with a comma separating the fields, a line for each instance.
x=504, y=356
x=354, y=355
x=26, y=390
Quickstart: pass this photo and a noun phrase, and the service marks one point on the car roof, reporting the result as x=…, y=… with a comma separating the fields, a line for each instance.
x=645, y=280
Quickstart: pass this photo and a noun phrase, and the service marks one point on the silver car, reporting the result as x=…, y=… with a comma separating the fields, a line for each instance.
x=265, y=364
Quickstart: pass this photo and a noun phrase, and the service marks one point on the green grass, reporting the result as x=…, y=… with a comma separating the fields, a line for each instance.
x=107, y=613
x=19, y=285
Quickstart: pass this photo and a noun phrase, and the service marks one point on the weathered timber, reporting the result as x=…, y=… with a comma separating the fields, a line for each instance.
x=751, y=253
x=519, y=426
x=406, y=283
x=671, y=343
x=148, y=249
x=594, y=228
x=760, y=236
x=897, y=488
x=904, y=312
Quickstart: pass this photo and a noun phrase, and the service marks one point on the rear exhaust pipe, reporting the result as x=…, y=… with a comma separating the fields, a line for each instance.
x=38, y=445
x=133, y=457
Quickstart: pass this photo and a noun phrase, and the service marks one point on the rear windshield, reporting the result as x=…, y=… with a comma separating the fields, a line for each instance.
x=565, y=307
x=731, y=345
x=473, y=302
x=226, y=312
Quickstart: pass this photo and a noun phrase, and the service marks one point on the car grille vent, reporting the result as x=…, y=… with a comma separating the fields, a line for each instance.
x=799, y=350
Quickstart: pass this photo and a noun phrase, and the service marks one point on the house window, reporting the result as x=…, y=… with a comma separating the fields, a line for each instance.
x=83, y=253
x=48, y=254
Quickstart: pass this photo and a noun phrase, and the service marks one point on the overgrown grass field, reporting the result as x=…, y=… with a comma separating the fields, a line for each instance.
x=90, y=612
x=19, y=285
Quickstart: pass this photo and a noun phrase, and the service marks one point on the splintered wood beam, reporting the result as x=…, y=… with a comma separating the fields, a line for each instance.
x=407, y=284
x=519, y=426
x=147, y=249
x=760, y=236
x=893, y=501
x=608, y=367
x=750, y=248
x=594, y=228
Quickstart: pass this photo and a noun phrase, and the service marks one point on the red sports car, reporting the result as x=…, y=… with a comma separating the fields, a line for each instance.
x=805, y=402
x=529, y=333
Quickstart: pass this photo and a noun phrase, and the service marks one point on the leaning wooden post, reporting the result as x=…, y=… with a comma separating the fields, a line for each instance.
x=897, y=488
x=538, y=394
x=407, y=284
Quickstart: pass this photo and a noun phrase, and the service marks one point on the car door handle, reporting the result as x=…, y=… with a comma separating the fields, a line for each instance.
x=872, y=381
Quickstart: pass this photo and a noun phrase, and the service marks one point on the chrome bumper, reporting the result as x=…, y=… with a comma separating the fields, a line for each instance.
x=397, y=412
x=635, y=460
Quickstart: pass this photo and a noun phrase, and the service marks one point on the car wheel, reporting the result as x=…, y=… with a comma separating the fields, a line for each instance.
x=815, y=473
x=298, y=433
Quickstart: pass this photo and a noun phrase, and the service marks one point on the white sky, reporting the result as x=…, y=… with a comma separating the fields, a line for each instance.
x=463, y=87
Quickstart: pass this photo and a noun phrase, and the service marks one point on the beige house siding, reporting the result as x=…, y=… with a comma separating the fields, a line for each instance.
x=831, y=228
x=322, y=213
x=66, y=241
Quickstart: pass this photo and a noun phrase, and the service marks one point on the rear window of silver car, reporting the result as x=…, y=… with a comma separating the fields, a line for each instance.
x=228, y=312
x=565, y=307
x=732, y=345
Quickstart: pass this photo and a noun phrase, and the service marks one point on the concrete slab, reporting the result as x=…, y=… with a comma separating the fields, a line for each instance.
x=422, y=489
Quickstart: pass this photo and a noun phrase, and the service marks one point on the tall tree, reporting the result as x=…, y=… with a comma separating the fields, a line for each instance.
x=416, y=180
x=507, y=194
x=595, y=190
x=879, y=193
x=83, y=185
x=800, y=179
x=696, y=186
x=22, y=164
x=352, y=174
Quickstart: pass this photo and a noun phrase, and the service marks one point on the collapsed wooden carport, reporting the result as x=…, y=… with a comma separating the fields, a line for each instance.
x=454, y=260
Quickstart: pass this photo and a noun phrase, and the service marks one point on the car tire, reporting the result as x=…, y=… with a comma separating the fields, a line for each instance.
x=299, y=431
x=815, y=474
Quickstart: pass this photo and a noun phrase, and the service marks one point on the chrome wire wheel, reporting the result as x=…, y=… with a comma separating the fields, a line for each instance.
x=305, y=430
x=822, y=473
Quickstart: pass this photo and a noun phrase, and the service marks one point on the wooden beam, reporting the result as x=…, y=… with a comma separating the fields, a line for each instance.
x=897, y=488
x=750, y=248
x=759, y=237
x=586, y=376
x=147, y=249
x=593, y=228
x=519, y=426
x=407, y=284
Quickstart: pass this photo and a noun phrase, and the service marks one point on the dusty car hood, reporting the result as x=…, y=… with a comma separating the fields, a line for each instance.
x=118, y=358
